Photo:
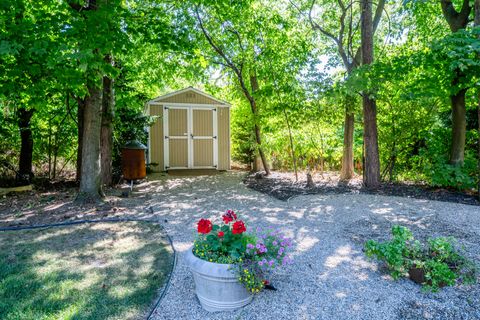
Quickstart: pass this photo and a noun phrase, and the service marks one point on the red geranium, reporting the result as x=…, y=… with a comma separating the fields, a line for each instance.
x=238, y=227
x=229, y=216
x=220, y=234
x=204, y=226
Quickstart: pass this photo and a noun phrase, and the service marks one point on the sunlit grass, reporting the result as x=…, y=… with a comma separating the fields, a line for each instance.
x=91, y=271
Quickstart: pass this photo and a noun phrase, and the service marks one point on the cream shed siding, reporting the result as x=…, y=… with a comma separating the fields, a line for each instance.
x=192, y=131
x=223, y=115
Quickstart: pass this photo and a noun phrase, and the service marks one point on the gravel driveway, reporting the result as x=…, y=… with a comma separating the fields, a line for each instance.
x=330, y=278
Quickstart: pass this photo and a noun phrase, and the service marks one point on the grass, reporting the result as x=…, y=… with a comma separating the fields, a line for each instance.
x=88, y=271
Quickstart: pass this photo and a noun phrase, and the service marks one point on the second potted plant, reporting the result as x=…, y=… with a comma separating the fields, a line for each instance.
x=434, y=264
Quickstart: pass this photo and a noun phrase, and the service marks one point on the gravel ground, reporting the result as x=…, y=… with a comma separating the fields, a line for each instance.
x=331, y=278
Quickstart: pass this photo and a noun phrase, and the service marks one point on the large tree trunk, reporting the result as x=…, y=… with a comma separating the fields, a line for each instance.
x=80, y=116
x=90, y=186
x=371, y=177
x=459, y=122
x=258, y=139
x=25, y=172
x=347, y=170
x=457, y=20
x=477, y=24
x=106, y=135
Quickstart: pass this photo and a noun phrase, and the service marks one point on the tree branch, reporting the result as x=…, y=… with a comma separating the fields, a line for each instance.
x=456, y=20
x=89, y=5
x=316, y=26
x=228, y=62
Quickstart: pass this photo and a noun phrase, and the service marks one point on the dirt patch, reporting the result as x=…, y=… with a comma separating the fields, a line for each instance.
x=56, y=203
x=283, y=187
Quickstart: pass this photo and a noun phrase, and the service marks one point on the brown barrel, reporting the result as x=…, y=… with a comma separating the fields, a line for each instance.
x=133, y=161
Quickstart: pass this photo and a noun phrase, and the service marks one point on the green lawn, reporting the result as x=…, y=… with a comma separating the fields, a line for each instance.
x=88, y=271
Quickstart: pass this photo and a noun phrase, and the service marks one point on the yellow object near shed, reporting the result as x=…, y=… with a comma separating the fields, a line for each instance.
x=192, y=131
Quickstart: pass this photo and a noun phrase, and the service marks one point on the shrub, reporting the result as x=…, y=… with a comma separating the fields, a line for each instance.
x=439, y=259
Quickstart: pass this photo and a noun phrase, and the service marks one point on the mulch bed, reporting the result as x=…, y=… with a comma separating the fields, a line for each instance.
x=283, y=187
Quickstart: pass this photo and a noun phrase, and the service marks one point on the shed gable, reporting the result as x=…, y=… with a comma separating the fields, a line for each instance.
x=189, y=97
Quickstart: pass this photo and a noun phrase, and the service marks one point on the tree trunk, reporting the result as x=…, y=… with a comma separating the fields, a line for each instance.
x=457, y=20
x=80, y=117
x=25, y=172
x=459, y=122
x=477, y=24
x=292, y=148
x=90, y=186
x=258, y=139
x=347, y=170
x=108, y=105
x=370, y=135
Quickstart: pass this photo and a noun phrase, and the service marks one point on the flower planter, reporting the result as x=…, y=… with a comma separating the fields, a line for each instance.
x=417, y=275
x=216, y=286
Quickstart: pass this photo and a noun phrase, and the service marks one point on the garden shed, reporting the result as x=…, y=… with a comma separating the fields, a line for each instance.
x=191, y=131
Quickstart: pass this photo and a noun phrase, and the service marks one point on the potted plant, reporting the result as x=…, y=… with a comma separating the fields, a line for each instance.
x=434, y=264
x=230, y=264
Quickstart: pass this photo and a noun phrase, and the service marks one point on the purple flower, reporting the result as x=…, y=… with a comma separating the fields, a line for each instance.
x=275, y=243
x=271, y=262
x=286, y=260
x=250, y=246
x=260, y=263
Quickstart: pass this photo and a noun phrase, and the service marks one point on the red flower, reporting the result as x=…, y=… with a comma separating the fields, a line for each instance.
x=220, y=234
x=204, y=226
x=229, y=216
x=238, y=227
x=266, y=282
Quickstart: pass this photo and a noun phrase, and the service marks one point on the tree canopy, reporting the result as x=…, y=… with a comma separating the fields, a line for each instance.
x=314, y=84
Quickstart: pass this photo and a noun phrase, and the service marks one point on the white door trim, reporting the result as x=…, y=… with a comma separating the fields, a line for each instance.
x=190, y=137
x=166, y=143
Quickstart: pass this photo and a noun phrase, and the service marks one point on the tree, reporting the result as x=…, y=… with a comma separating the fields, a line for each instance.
x=237, y=61
x=106, y=133
x=477, y=24
x=457, y=20
x=92, y=16
x=25, y=172
x=342, y=32
x=371, y=177
x=238, y=69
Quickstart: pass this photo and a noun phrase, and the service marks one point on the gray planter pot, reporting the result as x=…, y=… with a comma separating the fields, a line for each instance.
x=216, y=286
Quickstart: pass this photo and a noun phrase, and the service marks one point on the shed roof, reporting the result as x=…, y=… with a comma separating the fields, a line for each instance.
x=168, y=98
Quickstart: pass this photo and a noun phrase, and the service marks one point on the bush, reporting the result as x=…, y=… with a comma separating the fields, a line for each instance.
x=439, y=259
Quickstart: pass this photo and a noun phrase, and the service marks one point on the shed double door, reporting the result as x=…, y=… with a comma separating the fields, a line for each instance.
x=190, y=138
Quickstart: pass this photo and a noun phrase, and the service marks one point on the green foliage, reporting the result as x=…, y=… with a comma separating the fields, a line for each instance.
x=397, y=253
x=439, y=259
x=49, y=51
